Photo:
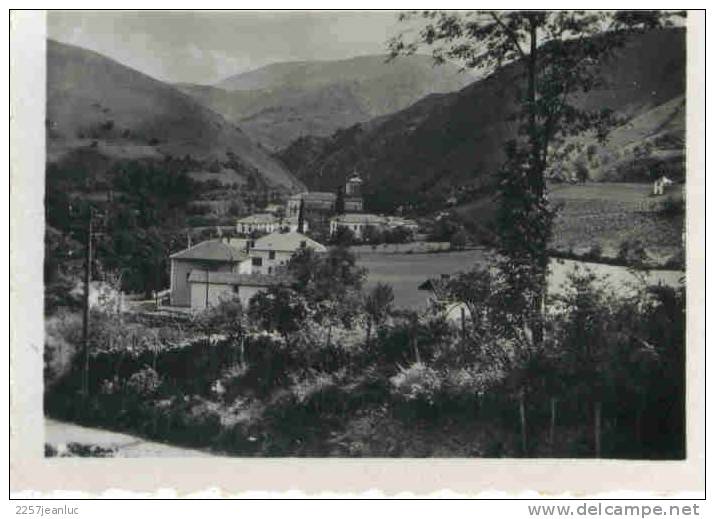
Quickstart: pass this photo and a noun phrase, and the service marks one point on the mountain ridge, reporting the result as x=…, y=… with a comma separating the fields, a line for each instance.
x=438, y=144
x=280, y=102
x=94, y=101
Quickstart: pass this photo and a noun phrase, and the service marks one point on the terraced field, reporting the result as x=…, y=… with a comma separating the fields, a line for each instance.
x=607, y=214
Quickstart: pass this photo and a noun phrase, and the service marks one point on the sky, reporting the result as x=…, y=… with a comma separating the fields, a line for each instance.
x=206, y=47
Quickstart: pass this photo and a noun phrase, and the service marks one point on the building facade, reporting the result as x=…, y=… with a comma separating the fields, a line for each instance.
x=357, y=223
x=207, y=256
x=265, y=223
x=210, y=288
x=270, y=254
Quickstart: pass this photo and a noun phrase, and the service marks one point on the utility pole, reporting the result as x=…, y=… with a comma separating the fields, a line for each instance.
x=85, y=315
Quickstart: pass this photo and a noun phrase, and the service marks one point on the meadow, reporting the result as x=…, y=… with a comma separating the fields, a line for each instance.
x=606, y=216
x=406, y=272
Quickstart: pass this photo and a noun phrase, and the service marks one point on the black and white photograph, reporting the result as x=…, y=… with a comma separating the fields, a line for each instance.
x=366, y=234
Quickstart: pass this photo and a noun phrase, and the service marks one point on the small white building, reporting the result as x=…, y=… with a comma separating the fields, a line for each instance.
x=208, y=256
x=210, y=288
x=397, y=222
x=357, y=223
x=660, y=185
x=270, y=254
x=259, y=223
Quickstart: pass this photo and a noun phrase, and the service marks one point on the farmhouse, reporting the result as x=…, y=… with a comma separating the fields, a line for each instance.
x=201, y=275
x=270, y=254
x=209, y=288
x=207, y=256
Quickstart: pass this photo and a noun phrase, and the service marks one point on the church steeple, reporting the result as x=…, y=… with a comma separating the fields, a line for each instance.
x=353, y=185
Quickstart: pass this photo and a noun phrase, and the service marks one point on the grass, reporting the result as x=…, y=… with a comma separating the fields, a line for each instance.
x=607, y=214
x=405, y=272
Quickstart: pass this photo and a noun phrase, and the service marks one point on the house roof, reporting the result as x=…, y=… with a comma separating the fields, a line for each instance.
x=211, y=250
x=258, y=218
x=287, y=242
x=366, y=219
x=315, y=195
x=234, y=278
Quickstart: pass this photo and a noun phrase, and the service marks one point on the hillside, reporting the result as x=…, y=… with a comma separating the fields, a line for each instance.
x=117, y=113
x=422, y=154
x=281, y=102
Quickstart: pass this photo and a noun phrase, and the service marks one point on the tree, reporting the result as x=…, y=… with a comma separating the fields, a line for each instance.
x=343, y=236
x=278, y=309
x=340, y=200
x=301, y=216
x=458, y=240
x=556, y=56
x=377, y=305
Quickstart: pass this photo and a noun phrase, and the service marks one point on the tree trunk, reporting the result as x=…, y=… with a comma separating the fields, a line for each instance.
x=597, y=428
x=522, y=418
x=536, y=177
x=552, y=425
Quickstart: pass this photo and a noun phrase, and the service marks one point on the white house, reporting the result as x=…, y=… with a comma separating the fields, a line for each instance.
x=259, y=223
x=660, y=185
x=265, y=223
x=357, y=223
x=210, y=288
x=208, y=256
x=270, y=254
x=396, y=222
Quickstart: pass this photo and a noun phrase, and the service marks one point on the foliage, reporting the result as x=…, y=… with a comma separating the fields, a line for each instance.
x=278, y=309
x=417, y=382
x=377, y=304
x=556, y=54
x=63, y=335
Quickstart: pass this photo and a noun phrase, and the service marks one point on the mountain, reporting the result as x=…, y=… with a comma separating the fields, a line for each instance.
x=100, y=107
x=281, y=102
x=426, y=152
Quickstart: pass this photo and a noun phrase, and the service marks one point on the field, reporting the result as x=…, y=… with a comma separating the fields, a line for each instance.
x=608, y=214
x=406, y=272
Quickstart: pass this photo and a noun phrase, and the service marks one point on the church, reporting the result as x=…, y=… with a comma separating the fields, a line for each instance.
x=322, y=204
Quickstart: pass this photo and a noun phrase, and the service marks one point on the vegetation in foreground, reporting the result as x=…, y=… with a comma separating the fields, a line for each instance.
x=301, y=372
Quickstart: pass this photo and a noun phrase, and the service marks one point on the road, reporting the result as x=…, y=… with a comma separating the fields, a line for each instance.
x=124, y=445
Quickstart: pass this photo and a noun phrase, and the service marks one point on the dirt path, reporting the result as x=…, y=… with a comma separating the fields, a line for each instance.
x=58, y=434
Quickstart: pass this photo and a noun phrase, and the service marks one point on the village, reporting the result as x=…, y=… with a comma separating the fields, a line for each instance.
x=373, y=257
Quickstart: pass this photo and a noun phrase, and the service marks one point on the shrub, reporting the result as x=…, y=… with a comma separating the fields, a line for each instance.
x=416, y=383
x=672, y=206
x=143, y=383
x=632, y=251
x=63, y=336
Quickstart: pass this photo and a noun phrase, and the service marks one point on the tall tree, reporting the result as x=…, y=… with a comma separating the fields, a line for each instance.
x=377, y=305
x=340, y=200
x=301, y=216
x=556, y=57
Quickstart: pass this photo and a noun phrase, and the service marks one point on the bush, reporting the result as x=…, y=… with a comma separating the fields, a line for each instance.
x=63, y=338
x=632, y=252
x=672, y=206
x=416, y=383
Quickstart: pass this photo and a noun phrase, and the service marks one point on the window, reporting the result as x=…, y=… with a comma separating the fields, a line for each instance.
x=272, y=255
x=270, y=270
x=257, y=262
x=235, y=289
